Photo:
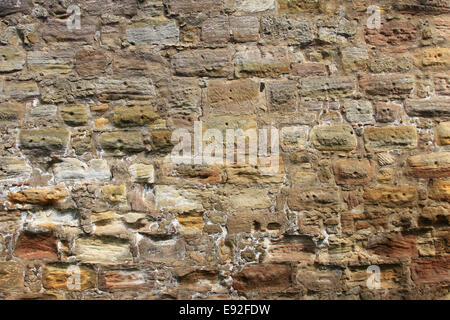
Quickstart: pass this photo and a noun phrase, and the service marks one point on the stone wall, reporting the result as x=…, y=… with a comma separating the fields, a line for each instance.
x=91, y=207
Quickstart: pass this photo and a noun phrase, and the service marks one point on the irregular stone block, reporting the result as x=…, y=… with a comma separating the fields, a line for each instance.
x=244, y=28
x=154, y=31
x=11, y=112
x=144, y=173
x=393, y=245
x=433, y=58
x=128, y=141
x=40, y=196
x=253, y=6
x=429, y=270
x=71, y=169
x=13, y=58
x=349, y=171
x=262, y=62
x=14, y=169
x=75, y=115
x=49, y=140
x=440, y=190
x=297, y=6
x=296, y=30
x=392, y=137
x=12, y=273
x=433, y=107
x=238, y=96
x=299, y=199
x=389, y=196
x=216, y=30
x=442, y=133
x=291, y=249
x=429, y=165
x=20, y=90
x=134, y=116
x=37, y=246
x=392, y=33
x=333, y=86
x=256, y=221
x=177, y=199
x=260, y=279
x=203, y=62
x=334, y=138
x=354, y=58
x=102, y=250
x=164, y=251
x=282, y=95
x=115, y=193
x=113, y=280
x=358, y=111
x=62, y=277
x=387, y=84
x=309, y=69
x=90, y=62
x=51, y=62
x=388, y=112
x=192, y=7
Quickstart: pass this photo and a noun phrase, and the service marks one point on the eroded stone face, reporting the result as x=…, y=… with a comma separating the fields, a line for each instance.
x=353, y=172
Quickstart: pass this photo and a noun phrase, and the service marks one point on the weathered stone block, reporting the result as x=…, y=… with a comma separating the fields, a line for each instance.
x=296, y=30
x=11, y=112
x=354, y=58
x=260, y=279
x=134, y=116
x=349, y=171
x=334, y=138
x=398, y=196
x=159, y=31
x=392, y=137
x=49, y=140
x=177, y=199
x=430, y=165
x=14, y=168
x=358, y=111
x=296, y=6
x=253, y=6
x=71, y=169
x=51, y=62
x=62, y=277
x=388, y=112
x=75, y=115
x=244, y=28
x=203, y=62
x=442, y=133
x=262, y=62
x=128, y=141
x=333, y=86
x=312, y=198
x=13, y=59
x=392, y=33
x=37, y=246
x=40, y=196
x=433, y=107
x=142, y=172
x=237, y=96
x=256, y=222
x=282, y=95
x=387, y=84
x=12, y=275
x=429, y=270
x=433, y=58
x=102, y=250
x=440, y=190
x=90, y=62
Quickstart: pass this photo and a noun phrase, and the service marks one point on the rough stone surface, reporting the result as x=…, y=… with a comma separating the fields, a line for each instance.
x=121, y=176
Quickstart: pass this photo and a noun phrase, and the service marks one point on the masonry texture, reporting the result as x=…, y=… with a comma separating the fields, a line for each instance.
x=87, y=116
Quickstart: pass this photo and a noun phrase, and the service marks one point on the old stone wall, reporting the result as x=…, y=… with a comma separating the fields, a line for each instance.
x=93, y=207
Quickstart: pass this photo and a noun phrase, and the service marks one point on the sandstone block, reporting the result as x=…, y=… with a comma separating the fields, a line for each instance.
x=440, y=190
x=134, y=116
x=102, y=250
x=262, y=279
x=13, y=58
x=333, y=86
x=40, y=196
x=232, y=96
x=334, y=138
x=37, y=246
x=398, y=196
x=358, y=111
x=142, y=172
x=392, y=137
x=442, y=133
x=203, y=62
x=128, y=141
x=434, y=107
x=155, y=31
x=429, y=165
x=349, y=171
x=61, y=277
x=49, y=140
x=75, y=115
x=387, y=84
